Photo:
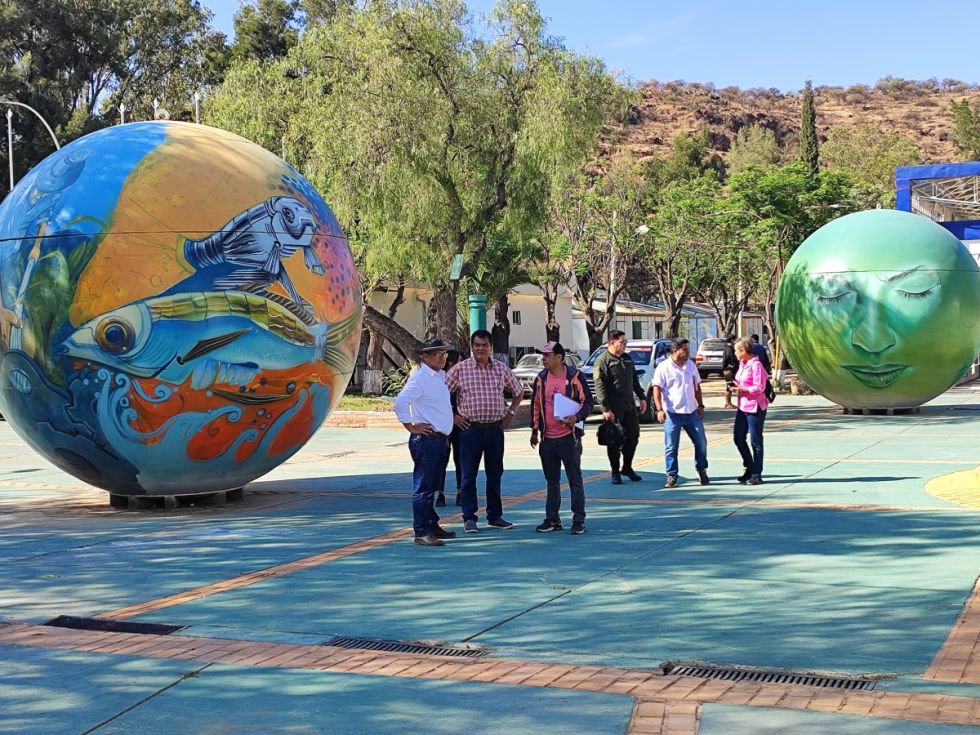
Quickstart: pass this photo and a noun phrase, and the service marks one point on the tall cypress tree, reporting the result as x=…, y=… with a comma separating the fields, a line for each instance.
x=809, y=147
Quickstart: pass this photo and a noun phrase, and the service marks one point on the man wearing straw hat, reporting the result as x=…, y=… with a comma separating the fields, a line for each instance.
x=424, y=408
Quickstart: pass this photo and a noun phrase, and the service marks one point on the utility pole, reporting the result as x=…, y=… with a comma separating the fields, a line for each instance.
x=610, y=297
x=197, y=107
x=122, y=113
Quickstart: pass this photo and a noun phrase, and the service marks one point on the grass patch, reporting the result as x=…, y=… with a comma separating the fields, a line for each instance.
x=365, y=403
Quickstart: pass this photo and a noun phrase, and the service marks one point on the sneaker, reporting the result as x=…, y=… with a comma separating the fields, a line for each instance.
x=671, y=481
x=703, y=477
x=470, y=527
x=744, y=477
x=549, y=526
x=578, y=528
x=632, y=475
x=459, y=499
x=755, y=480
x=500, y=523
x=440, y=532
x=617, y=479
x=429, y=540
x=441, y=500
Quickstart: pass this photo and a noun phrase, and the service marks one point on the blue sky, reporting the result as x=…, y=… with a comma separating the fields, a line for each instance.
x=760, y=43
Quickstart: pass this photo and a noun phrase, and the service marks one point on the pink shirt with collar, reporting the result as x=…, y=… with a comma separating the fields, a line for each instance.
x=751, y=379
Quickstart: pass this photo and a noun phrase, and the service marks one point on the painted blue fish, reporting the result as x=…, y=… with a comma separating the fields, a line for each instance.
x=220, y=337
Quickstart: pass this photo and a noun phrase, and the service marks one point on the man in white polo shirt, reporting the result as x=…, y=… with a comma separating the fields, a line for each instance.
x=424, y=408
x=677, y=396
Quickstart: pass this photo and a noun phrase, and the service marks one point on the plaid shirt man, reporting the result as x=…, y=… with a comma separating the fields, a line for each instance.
x=480, y=390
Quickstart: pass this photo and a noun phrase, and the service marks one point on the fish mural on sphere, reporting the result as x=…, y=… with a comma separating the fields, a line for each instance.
x=179, y=309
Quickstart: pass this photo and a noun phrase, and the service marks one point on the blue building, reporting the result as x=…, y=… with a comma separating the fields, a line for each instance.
x=947, y=193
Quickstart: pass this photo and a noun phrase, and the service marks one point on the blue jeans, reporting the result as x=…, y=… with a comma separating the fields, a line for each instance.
x=486, y=443
x=429, y=475
x=565, y=450
x=750, y=424
x=693, y=426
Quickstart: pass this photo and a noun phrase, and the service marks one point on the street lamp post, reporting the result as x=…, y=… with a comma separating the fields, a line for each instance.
x=197, y=107
x=44, y=122
x=122, y=113
x=10, y=145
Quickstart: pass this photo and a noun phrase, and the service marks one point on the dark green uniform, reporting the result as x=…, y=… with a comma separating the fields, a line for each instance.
x=615, y=385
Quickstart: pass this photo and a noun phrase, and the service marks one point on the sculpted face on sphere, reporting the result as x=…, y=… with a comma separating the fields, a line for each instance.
x=885, y=315
x=880, y=309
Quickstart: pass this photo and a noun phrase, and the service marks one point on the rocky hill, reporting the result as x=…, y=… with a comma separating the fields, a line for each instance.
x=918, y=110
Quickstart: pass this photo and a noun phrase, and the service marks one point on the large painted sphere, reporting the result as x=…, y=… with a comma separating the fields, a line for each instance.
x=880, y=309
x=180, y=309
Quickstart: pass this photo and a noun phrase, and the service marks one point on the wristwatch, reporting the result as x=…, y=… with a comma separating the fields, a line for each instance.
x=511, y=411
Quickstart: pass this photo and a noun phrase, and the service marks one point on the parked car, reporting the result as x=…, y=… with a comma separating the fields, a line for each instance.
x=646, y=354
x=528, y=367
x=709, y=356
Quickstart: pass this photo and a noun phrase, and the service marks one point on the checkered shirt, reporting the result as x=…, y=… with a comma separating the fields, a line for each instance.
x=479, y=390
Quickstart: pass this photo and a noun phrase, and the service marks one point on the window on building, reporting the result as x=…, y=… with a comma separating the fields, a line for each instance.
x=515, y=317
x=637, y=330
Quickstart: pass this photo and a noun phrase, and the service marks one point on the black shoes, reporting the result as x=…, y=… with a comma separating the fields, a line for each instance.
x=617, y=479
x=500, y=523
x=744, y=477
x=578, y=528
x=703, y=477
x=440, y=532
x=429, y=540
x=671, y=481
x=459, y=499
x=549, y=526
x=441, y=500
x=632, y=475
x=755, y=480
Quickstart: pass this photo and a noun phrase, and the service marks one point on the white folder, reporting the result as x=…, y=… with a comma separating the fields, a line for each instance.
x=565, y=407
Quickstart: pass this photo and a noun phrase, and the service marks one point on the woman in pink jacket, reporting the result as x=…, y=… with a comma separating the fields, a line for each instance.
x=750, y=416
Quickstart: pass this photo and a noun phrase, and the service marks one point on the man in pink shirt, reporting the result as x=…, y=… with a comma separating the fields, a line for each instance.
x=562, y=442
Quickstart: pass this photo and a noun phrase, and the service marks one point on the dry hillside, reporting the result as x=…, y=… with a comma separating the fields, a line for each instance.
x=917, y=110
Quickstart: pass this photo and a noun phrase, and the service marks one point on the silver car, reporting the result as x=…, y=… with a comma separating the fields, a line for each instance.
x=528, y=367
x=710, y=356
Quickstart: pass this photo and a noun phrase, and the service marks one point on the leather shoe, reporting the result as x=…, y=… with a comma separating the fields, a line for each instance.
x=429, y=540
x=441, y=500
x=617, y=479
x=703, y=476
x=440, y=532
x=632, y=475
x=744, y=477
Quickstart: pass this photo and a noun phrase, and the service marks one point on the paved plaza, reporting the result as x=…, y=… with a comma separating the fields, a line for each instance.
x=858, y=557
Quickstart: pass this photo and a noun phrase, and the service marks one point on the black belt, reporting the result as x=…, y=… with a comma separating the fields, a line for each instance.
x=433, y=435
x=486, y=425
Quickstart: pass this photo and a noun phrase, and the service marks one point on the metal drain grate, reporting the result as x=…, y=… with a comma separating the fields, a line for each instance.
x=112, y=626
x=374, y=644
x=768, y=676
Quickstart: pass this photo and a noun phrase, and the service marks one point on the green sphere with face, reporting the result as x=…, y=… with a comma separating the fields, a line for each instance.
x=880, y=309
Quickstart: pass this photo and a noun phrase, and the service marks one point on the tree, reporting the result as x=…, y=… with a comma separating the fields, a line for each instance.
x=324, y=11
x=684, y=236
x=265, y=29
x=779, y=208
x=870, y=155
x=754, y=146
x=600, y=223
x=809, y=146
x=387, y=111
x=966, y=128
x=76, y=60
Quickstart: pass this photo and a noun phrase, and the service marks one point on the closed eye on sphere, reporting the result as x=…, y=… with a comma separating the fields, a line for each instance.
x=115, y=336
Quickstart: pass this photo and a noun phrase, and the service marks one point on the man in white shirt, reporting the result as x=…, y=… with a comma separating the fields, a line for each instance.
x=677, y=396
x=423, y=406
